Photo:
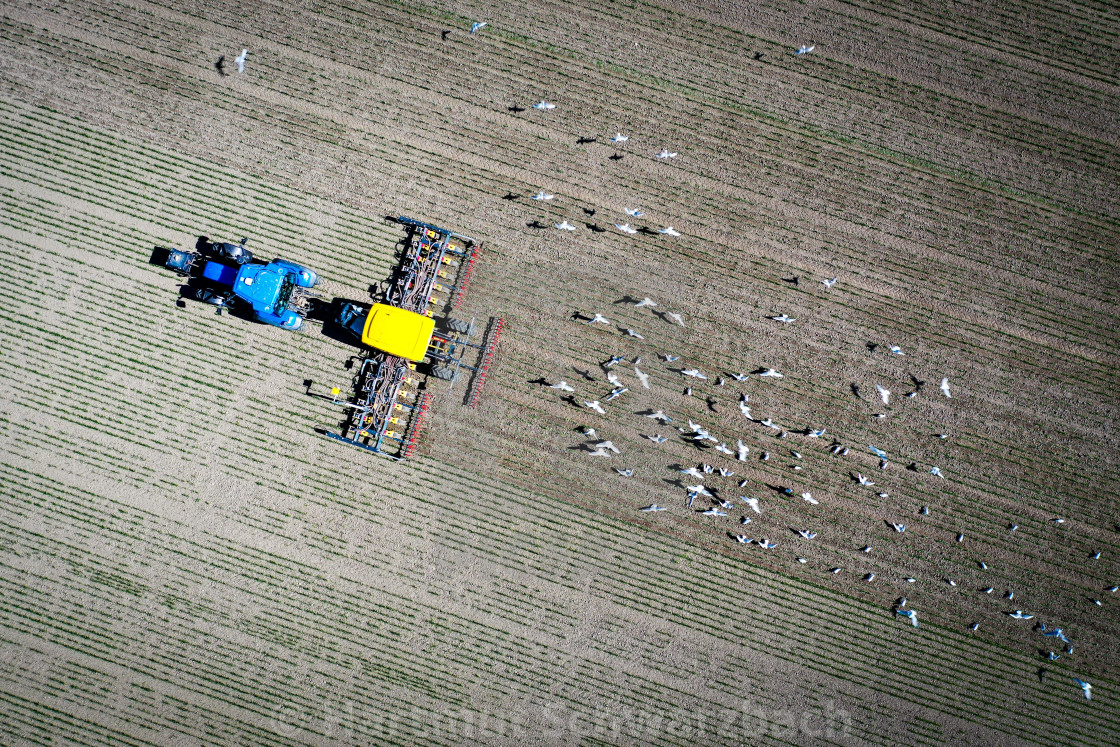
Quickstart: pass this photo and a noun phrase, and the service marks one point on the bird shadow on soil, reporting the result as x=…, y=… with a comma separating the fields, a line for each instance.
x=627, y=299
x=541, y=380
x=516, y=109
x=585, y=374
x=647, y=231
x=855, y=390
x=586, y=140
x=536, y=224
x=616, y=157
x=511, y=196
x=595, y=228
x=588, y=211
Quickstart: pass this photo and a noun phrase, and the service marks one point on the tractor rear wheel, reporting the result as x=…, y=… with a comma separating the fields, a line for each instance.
x=447, y=373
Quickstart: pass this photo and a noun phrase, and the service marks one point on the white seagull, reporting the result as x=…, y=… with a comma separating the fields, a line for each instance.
x=743, y=450
x=885, y=394
x=542, y=195
x=771, y=373
x=565, y=226
x=562, y=386
x=478, y=26
x=653, y=507
x=766, y=544
x=807, y=534
x=1085, y=688
x=898, y=527
x=713, y=511
x=669, y=231
x=635, y=212
x=744, y=539
x=624, y=472
x=544, y=105
x=619, y=138
x=598, y=318
x=608, y=445
x=784, y=318
x=666, y=154
x=596, y=407
x=829, y=283
x=645, y=302
x=945, y=387
x=805, y=49
x=660, y=416
x=693, y=372
x=910, y=614
x=896, y=350
x=625, y=228
x=752, y=502
x=1019, y=615
x=642, y=377
x=633, y=334
x=658, y=439
x=808, y=498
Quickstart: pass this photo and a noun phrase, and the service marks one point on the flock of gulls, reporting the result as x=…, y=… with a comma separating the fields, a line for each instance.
x=697, y=482
x=711, y=488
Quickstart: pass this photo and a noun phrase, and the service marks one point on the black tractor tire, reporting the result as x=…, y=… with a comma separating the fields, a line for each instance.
x=447, y=373
x=214, y=298
x=458, y=325
x=238, y=254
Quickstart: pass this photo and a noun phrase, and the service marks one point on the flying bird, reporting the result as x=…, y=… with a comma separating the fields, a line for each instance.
x=896, y=350
x=693, y=372
x=877, y=452
x=743, y=450
x=898, y=527
x=660, y=416
x=936, y=471
x=807, y=534
x=746, y=410
x=945, y=387
x=766, y=544
x=1085, y=688
x=771, y=373
x=624, y=472
x=562, y=386
x=752, y=502
x=804, y=49
x=642, y=377
x=619, y=138
x=542, y=195
x=885, y=394
x=645, y=302
x=658, y=439
x=598, y=318
x=565, y=226
x=863, y=480
x=666, y=154
x=478, y=26
x=625, y=228
x=635, y=212
x=599, y=452
x=722, y=448
x=911, y=614
x=714, y=512
x=744, y=539
x=784, y=318
x=675, y=317
x=654, y=507
x=669, y=231
x=815, y=433
x=596, y=407
x=1019, y=615
x=808, y=498
x=544, y=105
x=612, y=377
x=829, y=283
x=632, y=333
x=616, y=393
x=240, y=60
x=608, y=445
x=670, y=358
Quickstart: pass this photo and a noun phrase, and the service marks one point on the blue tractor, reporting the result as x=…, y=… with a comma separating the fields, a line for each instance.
x=226, y=276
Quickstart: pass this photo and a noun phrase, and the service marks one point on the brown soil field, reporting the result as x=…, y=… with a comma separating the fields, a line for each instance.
x=186, y=559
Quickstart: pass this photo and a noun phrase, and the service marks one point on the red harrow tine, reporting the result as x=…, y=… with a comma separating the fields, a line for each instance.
x=417, y=425
x=488, y=358
x=463, y=281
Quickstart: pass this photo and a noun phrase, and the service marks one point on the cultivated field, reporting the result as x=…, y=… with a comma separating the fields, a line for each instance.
x=184, y=559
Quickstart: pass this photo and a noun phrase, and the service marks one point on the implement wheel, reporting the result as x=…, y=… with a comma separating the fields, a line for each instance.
x=447, y=373
x=458, y=325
